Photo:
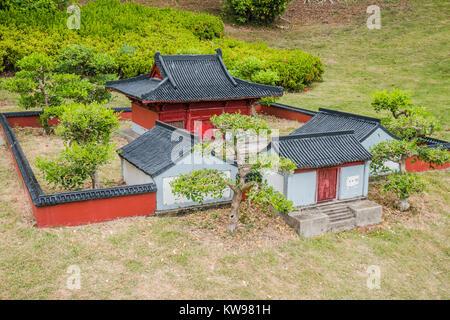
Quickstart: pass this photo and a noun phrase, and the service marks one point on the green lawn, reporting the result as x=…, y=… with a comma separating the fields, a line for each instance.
x=187, y=257
x=410, y=51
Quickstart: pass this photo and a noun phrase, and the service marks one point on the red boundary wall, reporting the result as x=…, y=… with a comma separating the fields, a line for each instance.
x=75, y=213
x=276, y=110
x=413, y=165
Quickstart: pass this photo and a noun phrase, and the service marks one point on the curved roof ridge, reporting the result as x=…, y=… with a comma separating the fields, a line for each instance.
x=318, y=134
x=350, y=115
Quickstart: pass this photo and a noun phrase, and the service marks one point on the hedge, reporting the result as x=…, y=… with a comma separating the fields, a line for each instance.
x=131, y=33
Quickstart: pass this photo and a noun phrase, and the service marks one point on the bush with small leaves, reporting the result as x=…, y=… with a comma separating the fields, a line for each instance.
x=256, y=11
x=87, y=131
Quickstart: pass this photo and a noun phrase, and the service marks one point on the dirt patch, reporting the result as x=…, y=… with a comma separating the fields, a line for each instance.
x=256, y=228
x=425, y=206
x=336, y=12
x=283, y=126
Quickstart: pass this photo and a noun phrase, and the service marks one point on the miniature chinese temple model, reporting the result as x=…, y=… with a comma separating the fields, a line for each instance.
x=330, y=166
x=186, y=90
x=329, y=186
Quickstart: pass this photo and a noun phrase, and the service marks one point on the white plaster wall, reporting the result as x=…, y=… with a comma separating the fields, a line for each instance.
x=351, y=182
x=301, y=188
x=165, y=198
x=376, y=137
x=275, y=180
x=132, y=175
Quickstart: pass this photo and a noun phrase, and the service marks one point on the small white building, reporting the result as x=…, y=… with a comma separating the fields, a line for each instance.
x=330, y=166
x=163, y=153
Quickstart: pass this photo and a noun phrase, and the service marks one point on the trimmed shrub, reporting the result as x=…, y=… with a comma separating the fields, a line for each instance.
x=26, y=5
x=131, y=34
x=256, y=11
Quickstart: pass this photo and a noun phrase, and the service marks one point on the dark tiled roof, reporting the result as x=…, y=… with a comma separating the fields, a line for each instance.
x=152, y=151
x=436, y=143
x=330, y=120
x=191, y=78
x=295, y=109
x=319, y=150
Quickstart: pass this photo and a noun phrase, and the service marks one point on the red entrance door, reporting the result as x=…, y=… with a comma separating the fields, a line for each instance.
x=327, y=183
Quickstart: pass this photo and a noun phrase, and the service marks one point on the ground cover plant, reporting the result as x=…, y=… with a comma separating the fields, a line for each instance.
x=132, y=33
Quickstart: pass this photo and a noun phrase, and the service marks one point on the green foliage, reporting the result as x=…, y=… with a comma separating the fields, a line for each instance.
x=392, y=150
x=236, y=123
x=270, y=162
x=410, y=123
x=266, y=77
x=256, y=11
x=397, y=102
x=131, y=34
x=405, y=120
x=270, y=199
x=28, y=5
x=199, y=185
x=403, y=185
x=84, y=61
x=85, y=124
x=39, y=87
x=418, y=123
x=254, y=69
x=43, y=81
x=76, y=164
x=87, y=131
x=433, y=156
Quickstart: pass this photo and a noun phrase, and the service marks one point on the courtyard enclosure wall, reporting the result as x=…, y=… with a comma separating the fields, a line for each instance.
x=78, y=207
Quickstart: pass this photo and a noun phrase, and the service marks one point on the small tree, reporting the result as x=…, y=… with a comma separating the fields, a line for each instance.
x=77, y=75
x=229, y=143
x=87, y=131
x=412, y=124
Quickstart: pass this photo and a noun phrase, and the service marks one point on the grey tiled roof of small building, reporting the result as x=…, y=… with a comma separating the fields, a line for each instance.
x=436, y=143
x=188, y=78
x=152, y=152
x=318, y=150
x=330, y=120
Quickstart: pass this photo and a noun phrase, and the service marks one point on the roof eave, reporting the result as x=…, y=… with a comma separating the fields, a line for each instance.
x=207, y=100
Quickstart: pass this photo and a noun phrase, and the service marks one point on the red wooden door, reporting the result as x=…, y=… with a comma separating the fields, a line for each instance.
x=327, y=184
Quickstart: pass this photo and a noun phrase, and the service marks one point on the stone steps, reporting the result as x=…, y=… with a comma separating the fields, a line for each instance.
x=335, y=217
x=340, y=215
x=342, y=225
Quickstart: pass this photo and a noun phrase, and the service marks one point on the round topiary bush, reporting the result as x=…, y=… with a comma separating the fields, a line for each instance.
x=256, y=11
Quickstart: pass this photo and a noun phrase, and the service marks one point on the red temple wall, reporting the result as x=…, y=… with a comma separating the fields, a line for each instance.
x=420, y=166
